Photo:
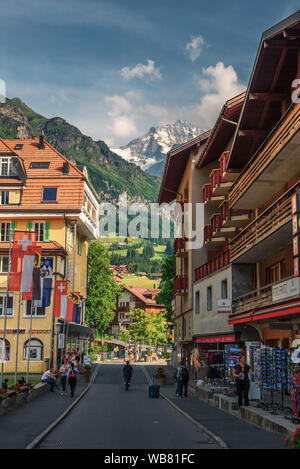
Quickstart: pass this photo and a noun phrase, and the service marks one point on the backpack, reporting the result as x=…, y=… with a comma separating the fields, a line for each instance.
x=184, y=374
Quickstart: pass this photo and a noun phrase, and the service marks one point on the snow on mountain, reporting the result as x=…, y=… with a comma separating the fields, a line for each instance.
x=149, y=151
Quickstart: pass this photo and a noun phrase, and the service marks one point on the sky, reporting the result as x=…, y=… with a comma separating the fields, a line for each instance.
x=115, y=68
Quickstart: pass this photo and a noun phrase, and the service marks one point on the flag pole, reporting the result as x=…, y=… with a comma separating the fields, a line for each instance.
x=29, y=342
x=18, y=331
x=5, y=308
x=51, y=354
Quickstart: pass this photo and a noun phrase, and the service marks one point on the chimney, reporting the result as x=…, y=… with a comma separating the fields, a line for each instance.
x=65, y=168
x=42, y=141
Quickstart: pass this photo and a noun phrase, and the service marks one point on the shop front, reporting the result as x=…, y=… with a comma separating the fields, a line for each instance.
x=70, y=338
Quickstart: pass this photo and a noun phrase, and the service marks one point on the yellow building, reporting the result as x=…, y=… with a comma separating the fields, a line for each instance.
x=41, y=191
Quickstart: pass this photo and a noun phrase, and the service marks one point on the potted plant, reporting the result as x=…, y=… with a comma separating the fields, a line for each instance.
x=160, y=376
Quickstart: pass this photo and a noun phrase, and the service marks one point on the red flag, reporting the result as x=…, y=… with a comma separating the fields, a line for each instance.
x=22, y=261
x=60, y=299
x=76, y=299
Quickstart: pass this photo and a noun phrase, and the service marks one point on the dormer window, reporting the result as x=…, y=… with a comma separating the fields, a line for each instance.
x=7, y=167
x=39, y=165
x=49, y=194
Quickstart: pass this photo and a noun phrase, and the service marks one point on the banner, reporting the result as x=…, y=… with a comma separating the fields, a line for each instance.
x=60, y=299
x=22, y=261
x=46, y=275
x=35, y=291
x=73, y=307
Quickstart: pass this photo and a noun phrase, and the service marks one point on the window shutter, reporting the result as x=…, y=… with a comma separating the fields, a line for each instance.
x=30, y=226
x=79, y=245
x=13, y=225
x=47, y=232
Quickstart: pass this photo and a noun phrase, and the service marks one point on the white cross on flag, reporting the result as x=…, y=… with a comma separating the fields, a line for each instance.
x=60, y=299
x=22, y=261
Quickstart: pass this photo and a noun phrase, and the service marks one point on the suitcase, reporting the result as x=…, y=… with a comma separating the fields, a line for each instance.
x=154, y=391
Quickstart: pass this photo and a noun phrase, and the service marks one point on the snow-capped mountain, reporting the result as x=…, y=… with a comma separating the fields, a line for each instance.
x=149, y=151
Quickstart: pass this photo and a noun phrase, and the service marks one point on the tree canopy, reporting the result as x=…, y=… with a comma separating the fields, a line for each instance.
x=164, y=297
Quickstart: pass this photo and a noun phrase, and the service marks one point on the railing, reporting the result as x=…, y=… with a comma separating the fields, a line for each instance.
x=223, y=161
x=216, y=223
x=207, y=193
x=269, y=221
x=207, y=233
x=283, y=132
x=217, y=179
x=218, y=262
x=179, y=245
x=253, y=299
x=124, y=308
x=180, y=285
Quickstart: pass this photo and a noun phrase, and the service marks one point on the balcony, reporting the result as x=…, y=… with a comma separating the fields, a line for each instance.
x=219, y=185
x=124, y=308
x=264, y=234
x=218, y=230
x=275, y=162
x=180, y=285
x=234, y=217
x=231, y=174
x=210, y=199
x=252, y=300
x=210, y=240
x=217, y=263
x=180, y=247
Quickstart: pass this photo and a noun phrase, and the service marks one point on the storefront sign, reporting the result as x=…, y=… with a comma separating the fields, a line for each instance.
x=215, y=339
x=296, y=224
x=224, y=305
x=295, y=204
x=296, y=245
x=13, y=331
x=286, y=289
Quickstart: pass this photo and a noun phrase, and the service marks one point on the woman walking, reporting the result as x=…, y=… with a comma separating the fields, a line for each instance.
x=241, y=374
x=72, y=378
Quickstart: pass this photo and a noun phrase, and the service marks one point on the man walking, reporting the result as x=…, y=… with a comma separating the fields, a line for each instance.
x=182, y=380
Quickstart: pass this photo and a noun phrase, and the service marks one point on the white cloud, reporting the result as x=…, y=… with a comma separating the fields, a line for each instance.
x=218, y=84
x=141, y=71
x=194, y=48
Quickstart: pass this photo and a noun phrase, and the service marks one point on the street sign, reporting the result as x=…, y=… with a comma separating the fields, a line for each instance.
x=61, y=341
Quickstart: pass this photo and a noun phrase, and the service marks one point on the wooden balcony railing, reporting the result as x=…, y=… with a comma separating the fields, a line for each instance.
x=231, y=215
x=265, y=224
x=282, y=133
x=207, y=193
x=216, y=263
x=223, y=161
x=253, y=299
x=179, y=246
x=207, y=233
x=217, y=179
x=180, y=285
x=216, y=223
x=210, y=198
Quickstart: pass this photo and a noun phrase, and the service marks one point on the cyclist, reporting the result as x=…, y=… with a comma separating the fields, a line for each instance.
x=127, y=373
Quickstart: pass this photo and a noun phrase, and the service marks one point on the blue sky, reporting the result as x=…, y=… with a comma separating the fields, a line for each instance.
x=114, y=68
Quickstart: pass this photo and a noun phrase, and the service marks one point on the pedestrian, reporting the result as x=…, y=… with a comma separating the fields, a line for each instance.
x=241, y=374
x=48, y=377
x=70, y=358
x=64, y=370
x=182, y=380
x=72, y=378
x=5, y=384
x=77, y=356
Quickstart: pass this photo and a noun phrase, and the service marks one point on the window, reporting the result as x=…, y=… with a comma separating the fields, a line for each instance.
x=39, y=311
x=19, y=146
x=197, y=302
x=62, y=266
x=224, y=289
x=4, y=350
x=3, y=264
x=33, y=349
x=4, y=232
x=4, y=197
x=39, y=228
x=39, y=165
x=275, y=273
x=10, y=305
x=79, y=246
x=209, y=298
x=49, y=194
x=4, y=167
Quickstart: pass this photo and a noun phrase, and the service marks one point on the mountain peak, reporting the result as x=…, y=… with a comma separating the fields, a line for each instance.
x=149, y=151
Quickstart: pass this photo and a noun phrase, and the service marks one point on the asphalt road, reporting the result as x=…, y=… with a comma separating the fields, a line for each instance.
x=109, y=417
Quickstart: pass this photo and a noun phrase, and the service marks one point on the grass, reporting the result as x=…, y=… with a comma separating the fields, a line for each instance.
x=136, y=281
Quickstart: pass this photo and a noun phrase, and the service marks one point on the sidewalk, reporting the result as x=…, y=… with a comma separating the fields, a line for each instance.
x=230, y=426
x=19, y=427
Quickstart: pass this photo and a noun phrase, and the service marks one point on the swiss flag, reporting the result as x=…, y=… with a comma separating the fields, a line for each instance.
x=60, y=299
x=22, y=261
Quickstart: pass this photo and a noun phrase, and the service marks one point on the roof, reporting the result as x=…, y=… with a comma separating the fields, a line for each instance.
x=176, y=161
x=274, y=69
x=70, y=186
x=222, y=131
x=140, y=293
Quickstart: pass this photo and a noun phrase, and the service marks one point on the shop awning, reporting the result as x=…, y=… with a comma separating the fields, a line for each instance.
x=267, y=313
x=78, y=330
x=215, y=339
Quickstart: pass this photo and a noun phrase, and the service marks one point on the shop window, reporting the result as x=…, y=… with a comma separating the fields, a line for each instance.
x=36, y=311
x=10, y=305
x=4, y=350
x=33, y=349
x=224, y=289
x=209, y=298
x=197, y=302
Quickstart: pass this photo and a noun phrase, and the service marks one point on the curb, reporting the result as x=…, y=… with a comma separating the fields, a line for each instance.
x=201, y=427
x=50, y=427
